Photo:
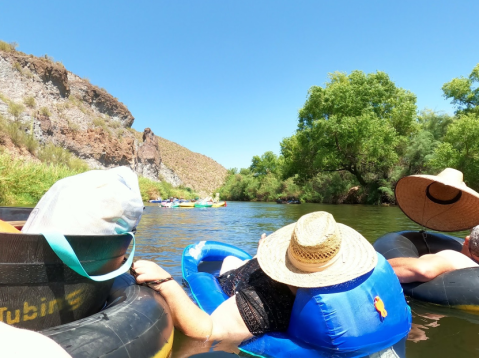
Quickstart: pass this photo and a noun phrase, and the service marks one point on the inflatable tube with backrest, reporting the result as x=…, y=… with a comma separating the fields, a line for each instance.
x=135, y=322
x=340, y=320
x=38, y=291
x=455, y=289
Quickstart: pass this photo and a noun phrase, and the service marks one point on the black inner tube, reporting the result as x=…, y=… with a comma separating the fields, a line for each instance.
x=455, y=289
x=136, y=322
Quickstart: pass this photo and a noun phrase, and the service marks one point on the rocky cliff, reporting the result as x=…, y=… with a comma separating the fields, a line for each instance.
x=61, y=108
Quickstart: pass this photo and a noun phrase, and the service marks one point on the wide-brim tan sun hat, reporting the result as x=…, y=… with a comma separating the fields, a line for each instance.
x=316, y=252
x=440, y=202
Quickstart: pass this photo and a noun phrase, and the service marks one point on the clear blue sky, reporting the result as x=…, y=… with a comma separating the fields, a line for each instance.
x=226, y=78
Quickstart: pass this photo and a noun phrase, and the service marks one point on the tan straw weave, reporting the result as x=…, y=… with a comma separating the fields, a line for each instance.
x=316, y=252
x=440, y=202
x=305, y=246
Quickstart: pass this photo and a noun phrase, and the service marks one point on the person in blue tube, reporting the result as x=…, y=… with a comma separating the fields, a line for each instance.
x=313, y=252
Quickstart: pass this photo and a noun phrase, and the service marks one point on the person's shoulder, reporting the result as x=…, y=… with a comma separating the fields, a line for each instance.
x=457, y=259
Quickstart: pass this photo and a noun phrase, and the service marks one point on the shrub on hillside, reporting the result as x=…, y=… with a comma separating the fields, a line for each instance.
x=17, y=132
x=29, y=102
x=61, y=156
x=99, y=122
x=24, y=183
x=15, y=109
x=114, y=124
x=45, y=112
x=8, y=47
x=151, y=190
x=18, y=67
x=74, y=126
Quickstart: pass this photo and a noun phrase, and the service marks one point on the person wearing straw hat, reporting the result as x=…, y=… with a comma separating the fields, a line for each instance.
x=440, y=202
x=313, y=252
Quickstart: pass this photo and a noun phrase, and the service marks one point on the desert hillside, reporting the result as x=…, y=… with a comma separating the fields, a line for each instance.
x=54, y=108
x=194, y=169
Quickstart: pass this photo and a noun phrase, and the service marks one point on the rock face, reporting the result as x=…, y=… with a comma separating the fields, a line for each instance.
x=148, y=158
x=70, y=112
x=169, y=176
x=46, y=70
x=61, y=108
x=98, y=148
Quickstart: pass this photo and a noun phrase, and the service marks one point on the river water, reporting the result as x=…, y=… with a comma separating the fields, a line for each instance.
x=164, y=233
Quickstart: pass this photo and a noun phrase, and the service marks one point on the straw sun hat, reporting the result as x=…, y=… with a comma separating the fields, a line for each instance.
x=316, y=252
x=440, y=202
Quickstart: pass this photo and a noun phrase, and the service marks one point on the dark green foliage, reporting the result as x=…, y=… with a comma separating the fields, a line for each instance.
x=434, y=122
x=460, y=149
x=357, y=123
x=151, y=190
x=419, y=152
x=358, y=136
x=267, y=163
x=464, y=92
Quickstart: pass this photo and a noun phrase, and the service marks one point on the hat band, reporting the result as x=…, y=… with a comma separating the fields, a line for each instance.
x=443, y=202
x=311, y=267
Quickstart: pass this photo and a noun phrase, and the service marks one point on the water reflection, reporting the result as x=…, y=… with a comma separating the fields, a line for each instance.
x=186, y=347
x=164, y=233
x=442, y=332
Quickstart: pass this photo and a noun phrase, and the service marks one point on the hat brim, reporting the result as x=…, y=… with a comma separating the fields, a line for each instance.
x=357, y=257
x=412, y=199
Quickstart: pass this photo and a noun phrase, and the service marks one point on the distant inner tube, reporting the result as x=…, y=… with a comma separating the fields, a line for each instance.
x=455, y=289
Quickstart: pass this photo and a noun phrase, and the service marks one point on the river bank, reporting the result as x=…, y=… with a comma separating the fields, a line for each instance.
x=324, y=188
x=23, y=182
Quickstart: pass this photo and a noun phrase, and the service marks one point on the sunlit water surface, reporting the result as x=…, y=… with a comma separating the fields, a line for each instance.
x=164, y=233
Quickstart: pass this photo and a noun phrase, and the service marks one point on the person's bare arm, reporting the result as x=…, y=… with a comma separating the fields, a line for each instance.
x=224, y=323
x=423, y=269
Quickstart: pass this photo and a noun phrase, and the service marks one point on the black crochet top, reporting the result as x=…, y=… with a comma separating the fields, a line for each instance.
x=264, y=304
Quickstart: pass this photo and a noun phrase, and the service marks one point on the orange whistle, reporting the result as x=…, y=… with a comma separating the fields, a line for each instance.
x=379, y=305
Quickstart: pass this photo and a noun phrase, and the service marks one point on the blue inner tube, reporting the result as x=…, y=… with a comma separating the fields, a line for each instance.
x=456, y=289
x=135, y=322
x=200, y=265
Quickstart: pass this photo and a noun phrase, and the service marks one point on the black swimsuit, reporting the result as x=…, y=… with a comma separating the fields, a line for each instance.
x=264, y=304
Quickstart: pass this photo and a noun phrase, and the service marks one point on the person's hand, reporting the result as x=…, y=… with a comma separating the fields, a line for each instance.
x=148, y=271
x=465, y=247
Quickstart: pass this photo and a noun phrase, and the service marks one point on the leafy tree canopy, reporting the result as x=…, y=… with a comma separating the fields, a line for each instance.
x=432, y=127
x=463, y=93
x=460, y=149
x=267, y=163
x=357, y=123
x=360, y=94
x=434, y=122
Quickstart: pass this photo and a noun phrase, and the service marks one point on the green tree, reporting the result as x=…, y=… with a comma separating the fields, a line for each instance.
x=434, y=122
x=432, y=127
x=267, y=163
x=419, y=152
x=357, y=123
x=463, y=93
x=460, y=149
